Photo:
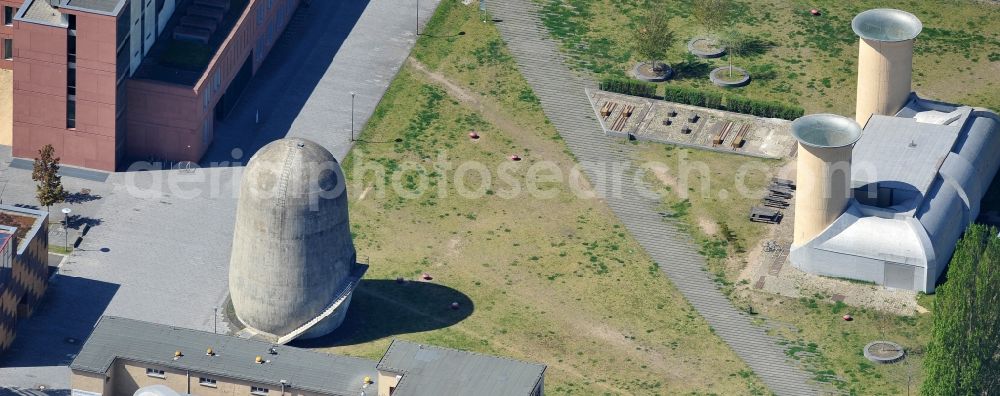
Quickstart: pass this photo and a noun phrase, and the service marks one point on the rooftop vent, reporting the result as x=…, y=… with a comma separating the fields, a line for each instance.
x=886, y=24
x=826, y=130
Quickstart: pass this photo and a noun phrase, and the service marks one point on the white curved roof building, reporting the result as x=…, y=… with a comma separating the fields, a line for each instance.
x=917, y=180
x=917, y=177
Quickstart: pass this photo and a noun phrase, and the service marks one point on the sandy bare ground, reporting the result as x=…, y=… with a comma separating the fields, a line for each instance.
x=791, y=282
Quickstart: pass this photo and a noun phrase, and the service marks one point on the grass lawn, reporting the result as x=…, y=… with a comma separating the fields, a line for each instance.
x=815, y=333
x=699, y=193
x=60, y=249
x=555, y=280
x=797, y=57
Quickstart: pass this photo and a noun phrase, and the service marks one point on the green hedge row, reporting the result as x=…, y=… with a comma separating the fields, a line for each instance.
x=694, y=97
x=763, y=108
x=703, y=98
x=629, y=87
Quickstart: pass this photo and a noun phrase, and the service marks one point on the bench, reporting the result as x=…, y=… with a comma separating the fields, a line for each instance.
x=723, y=133
x=765, y=215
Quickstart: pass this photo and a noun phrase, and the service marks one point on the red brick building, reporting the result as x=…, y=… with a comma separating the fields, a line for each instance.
x=104, y=81
x=9, y=8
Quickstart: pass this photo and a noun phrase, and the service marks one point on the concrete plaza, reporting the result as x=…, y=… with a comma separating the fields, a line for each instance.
x=158, y=246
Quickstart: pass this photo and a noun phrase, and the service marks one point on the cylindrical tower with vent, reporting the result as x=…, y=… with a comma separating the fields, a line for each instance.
x=885, y=60
x=823, y=175
x=293, y=256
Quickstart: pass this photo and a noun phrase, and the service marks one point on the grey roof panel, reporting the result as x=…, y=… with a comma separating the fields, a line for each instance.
x=40, y=11
x=430, y=370
x=901, y=152
x=155, y=344
x=100, y=6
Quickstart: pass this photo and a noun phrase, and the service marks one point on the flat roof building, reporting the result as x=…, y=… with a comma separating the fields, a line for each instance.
x=24, y=272
x=105, y=81
x=913, y=182
x=123, y=356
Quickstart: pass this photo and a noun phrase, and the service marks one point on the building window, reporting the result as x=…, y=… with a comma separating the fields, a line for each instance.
x=71, y=123
x=156, y=373
x=8, y=49
x=71, y=82
x=256, y=390
x=206, y=382
x=269, y=4
x=8, y=15
x=260, y=15
x=71, y=48
x=216, y=80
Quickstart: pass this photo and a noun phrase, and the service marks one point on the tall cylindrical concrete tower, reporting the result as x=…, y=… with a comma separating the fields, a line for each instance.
x=292, y=254
x=885, y=60
x=823, y=173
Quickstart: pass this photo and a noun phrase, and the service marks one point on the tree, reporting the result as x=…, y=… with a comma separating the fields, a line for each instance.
x=712, y=14
x=963, y=357
x=653, y=37
x=46, y=172
x=735, y=42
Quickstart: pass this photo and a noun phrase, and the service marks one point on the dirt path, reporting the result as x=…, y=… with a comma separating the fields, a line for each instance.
x=489, y=111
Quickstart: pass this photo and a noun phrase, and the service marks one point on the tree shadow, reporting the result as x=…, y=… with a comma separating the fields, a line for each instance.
x=756, y=46
x=61, y=323
x=79, y=197
x=692, y=67
x=78, y=222
x=384, y=308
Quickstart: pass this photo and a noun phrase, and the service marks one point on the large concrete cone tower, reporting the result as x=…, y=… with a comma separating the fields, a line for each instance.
x=885, y=60
x=293, y=260
x=823, y=172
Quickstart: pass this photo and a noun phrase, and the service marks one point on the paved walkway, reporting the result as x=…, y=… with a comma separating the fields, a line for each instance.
x=561, y=92
x=328, y=50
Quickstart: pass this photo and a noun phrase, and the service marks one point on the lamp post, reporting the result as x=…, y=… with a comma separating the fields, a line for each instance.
x=66, y=212
x=418, y=17
x=215, y=320
x=352, y=115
